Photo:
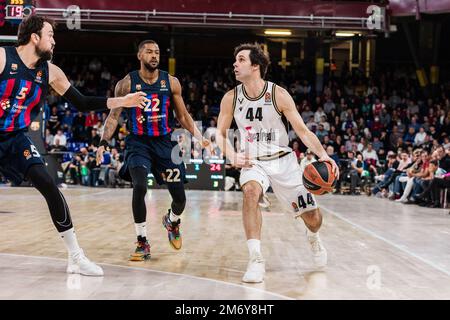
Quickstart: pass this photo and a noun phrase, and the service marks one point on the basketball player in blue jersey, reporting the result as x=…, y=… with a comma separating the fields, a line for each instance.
x=149, y=145
x=25, y=75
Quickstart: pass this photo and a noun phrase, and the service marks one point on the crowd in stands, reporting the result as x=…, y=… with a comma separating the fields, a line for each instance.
x=390, y=137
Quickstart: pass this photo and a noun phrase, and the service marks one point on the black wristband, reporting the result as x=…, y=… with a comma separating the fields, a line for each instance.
x=103, y=143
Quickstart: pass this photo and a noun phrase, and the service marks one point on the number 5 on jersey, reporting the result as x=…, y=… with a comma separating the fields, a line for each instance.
x=22, y=94
x=34, y=151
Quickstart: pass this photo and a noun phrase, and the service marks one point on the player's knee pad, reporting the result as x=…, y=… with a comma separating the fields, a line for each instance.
x=139, y=188
x=139, y=178
x=179, y=200
x=41, y=179
x=47, y=182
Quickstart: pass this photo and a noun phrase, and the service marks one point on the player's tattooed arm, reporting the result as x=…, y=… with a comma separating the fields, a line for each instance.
x=123, y=87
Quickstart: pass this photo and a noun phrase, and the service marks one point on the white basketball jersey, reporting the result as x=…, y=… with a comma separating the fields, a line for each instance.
x=262, y=131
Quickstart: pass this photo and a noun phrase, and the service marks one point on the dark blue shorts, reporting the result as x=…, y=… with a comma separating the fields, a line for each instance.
x=154, y=154
x=17, y=154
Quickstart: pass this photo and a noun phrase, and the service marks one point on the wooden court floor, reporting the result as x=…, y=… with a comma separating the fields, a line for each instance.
x=377, y=249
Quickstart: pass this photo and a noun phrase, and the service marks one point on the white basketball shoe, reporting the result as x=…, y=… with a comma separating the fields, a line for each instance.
x=80, y=264
x=319, y=253
x=255, y=269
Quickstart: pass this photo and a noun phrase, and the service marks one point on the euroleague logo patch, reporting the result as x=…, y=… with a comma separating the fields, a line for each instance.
x=163, y=85
x=39, y=76
x=27, y=154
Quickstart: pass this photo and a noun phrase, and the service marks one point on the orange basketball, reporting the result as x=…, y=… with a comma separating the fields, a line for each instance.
x=318, y=177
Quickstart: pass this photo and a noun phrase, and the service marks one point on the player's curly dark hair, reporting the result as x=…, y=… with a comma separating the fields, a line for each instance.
x=30, y=25
x=257, y=56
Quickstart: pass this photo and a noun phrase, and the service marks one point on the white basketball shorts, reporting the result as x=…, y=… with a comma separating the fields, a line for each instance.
x=285, y=177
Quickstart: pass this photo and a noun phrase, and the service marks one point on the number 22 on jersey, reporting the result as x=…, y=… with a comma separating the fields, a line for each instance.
x=152, y=105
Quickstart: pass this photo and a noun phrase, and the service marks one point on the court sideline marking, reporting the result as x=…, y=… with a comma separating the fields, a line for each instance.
x=397, y=246
x=163, y=272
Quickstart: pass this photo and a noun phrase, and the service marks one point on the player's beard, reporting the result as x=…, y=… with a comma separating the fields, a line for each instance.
x=149, y=67
x=44, y=55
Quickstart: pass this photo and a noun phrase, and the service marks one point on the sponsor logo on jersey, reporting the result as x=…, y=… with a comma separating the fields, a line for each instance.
x=16, y=107
x=250, y=134
x=38, y=77
x=261, y=136
x=5, y=104
x=155, y=118
x=140, y=119
x=27, y=154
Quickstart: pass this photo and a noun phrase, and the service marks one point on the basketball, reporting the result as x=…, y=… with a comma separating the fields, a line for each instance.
x=318, y=177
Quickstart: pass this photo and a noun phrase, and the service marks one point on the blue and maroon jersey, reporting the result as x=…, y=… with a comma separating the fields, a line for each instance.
x=22, y=91
x=157, y=118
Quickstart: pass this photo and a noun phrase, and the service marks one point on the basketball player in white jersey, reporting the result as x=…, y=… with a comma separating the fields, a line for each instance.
x=265, y=158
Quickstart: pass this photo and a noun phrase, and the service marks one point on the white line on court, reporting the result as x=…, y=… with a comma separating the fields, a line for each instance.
x=163, y=272
x=397, y=246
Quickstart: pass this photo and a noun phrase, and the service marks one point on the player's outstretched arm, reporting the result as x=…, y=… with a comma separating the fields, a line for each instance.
x=182, y=114
x=286, y=105
x=223, y=124
x=123, y=87
x=60, y=83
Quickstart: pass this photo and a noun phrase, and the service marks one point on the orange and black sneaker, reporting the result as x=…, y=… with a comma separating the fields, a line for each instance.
x=173, y=231
x=142, y=251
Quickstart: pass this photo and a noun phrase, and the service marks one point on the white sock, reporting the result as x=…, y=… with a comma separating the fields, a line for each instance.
x=70, y=240
x=141, y=229
x=173, y=217
x=254, y=245
x=311, y=234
